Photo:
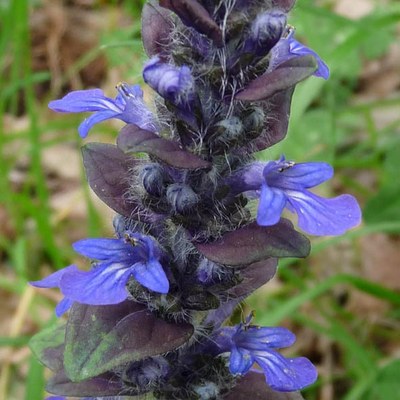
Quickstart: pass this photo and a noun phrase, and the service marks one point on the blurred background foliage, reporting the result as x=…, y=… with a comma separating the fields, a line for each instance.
x=342, y=301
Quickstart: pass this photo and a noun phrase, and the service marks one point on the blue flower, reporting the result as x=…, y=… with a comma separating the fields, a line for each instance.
x=128, y=106
x=133, y=255
x=288, y=48
x=175, y=84
x=250, y=344
x=283, y=184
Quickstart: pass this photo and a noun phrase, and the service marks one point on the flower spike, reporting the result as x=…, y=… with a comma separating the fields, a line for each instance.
x=148, y=318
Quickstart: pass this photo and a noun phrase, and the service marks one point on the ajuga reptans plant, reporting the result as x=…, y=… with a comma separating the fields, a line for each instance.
x=149, y=319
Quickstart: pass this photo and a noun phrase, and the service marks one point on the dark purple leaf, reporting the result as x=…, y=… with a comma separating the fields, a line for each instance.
x=283, y=77
x=254, y=243
x=103, y=385
x=193, y=14
x=107, y=170
x=254, y=276
x=156, y=28
x=277, y=120
x=48, y=346
x=285, y=5
x=253, y=387
x=133, y=139
x=100, y=338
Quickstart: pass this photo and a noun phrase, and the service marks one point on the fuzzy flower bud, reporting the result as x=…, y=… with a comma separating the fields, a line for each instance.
x=181, y=197
x=207, y=391
x=230, y=128
x=265, y=32
x=147, y=372
x=152, y=178
x=175, y=84
x=208, y=272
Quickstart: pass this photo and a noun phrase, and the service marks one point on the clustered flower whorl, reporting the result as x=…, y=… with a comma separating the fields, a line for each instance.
x=148, y=316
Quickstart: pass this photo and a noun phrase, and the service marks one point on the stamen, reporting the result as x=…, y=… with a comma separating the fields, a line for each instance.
x=289, y=32
x=124, y=89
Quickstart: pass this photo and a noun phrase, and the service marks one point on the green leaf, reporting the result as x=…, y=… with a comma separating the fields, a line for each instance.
x=48, y=346
x=100, y=338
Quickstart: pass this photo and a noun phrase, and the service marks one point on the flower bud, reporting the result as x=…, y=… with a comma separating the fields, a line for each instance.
x=208, y=273
x=231, y=129
x=152, y=179
x=265, y=32
x=181, y=197
x=207, y=391
x=175, y=84
x=146, y=373
x=254, y=122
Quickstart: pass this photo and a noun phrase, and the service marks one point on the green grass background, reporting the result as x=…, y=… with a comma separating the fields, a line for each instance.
x=327, y=123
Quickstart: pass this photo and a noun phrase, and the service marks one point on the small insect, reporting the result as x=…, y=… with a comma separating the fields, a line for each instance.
x=129, y=239
x=286, y=165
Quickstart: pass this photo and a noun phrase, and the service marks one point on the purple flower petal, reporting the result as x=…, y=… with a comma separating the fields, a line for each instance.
x=286, y=374
x=103, y=249
x=272, y=203
x=52, y=280
x=104, y=284
x=299, y=49
x=288, y=48
x=240, y=361
x=94, y=119
x=63, y=306
x=257, y=338
x=248, y=344
x=84, y=101
x=319, y=216
x=246, y=179
x=134, y=254
x=151, y=275
x=289, y=175
x=128, y=106
x=284, y=184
